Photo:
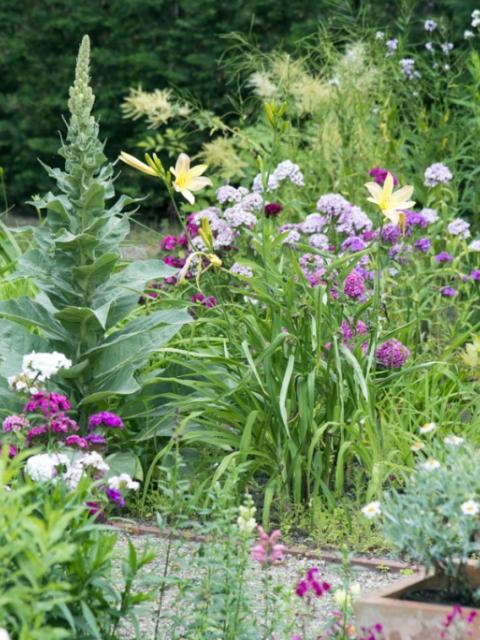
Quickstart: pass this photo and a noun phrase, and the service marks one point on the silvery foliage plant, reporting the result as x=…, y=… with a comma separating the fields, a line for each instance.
x=434, y=519
x=87, y=295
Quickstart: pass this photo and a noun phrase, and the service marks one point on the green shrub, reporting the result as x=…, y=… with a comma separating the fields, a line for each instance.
x=56, y=563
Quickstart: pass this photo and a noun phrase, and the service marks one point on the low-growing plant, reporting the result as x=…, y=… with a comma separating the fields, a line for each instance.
x=57, y=577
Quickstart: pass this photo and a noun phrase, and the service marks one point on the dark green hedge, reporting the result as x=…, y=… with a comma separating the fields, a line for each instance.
x=152, y=42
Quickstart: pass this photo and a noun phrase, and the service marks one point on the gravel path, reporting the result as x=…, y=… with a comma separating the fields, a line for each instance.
x=287, y=573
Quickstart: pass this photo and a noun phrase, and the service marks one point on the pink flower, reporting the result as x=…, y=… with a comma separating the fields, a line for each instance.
x=267, y=551
x=168, y=243
x=76, y=441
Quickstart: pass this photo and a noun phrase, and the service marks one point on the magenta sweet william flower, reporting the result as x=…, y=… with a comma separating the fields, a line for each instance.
x=207, y=301
x=354, y=285
x=63, y=424
x=272, y=209
x=267, y=551
x=96, y=439
x=172, y=261
x=379, y=175
x=47, y=403
x=12, y=450
x=105, y=419
x=423, y=244
x=95, y=510
x=14, y=423
x=392, y=354
x=76, y=441
x=37, y=432
x=168, y=243
x=312, y=583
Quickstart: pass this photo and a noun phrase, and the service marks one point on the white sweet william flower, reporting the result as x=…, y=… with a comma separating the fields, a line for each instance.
x=43, y=366
x=470, y=508
x=453, y=440
x=372, y=509
x=4, y=634
x=123, y=481
x=43, y=467
x=431, y=465
x=428, y=427
x=95, y=461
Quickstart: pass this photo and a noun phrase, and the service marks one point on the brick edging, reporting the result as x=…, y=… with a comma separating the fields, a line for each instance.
x=374, y=564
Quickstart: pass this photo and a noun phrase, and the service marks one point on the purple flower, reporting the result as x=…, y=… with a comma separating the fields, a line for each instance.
x=105, y=419
x=76, y=441
x=415, y=219
x=63, y=424
x=168, y=243
x=392, y=354
x=114, y=495
x=391, y=233
x=353, y=244
x=443, y=256
x=379, y=175
x=37, y=432
x=47, y=403
x=272, y=209
x=448, y=292
x=423, y=244
x=437, y=173
x=475, y=275
x=333, y=204
x=208, y=302
x=14, y=423
x=176, y=263
x=354, y=285
x=96, y=439
x=95, y=510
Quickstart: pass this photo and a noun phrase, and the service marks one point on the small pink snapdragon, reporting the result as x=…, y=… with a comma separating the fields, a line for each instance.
x=267, y=551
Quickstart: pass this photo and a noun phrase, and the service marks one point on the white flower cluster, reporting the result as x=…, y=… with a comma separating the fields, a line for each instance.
x=123, y=481
x=459, y=227
x=44, y=466
x=91, y=462
x=286, y=170
x=38, y=368
x=476, y=18
x=246, y=518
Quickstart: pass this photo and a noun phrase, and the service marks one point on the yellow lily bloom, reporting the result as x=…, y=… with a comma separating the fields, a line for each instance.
x=137, y=164
x=391, y=203
x=189, y=179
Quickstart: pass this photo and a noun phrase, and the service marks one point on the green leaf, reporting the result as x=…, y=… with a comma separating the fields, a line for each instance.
x=125, y=462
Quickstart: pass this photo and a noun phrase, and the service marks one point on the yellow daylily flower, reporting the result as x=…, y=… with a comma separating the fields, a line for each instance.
x=137, y=164
x=392, y=204
x=189, y=179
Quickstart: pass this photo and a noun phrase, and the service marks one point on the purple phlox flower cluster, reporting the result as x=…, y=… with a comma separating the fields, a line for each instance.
x=272, y=209
x=407, y=66
x=446, y=47
x=430, y=215
x=312, y=583
x=423, y=244
x=267, y=551
x=354, y=286
x=353, y=244
x=430, y=25
x=206, y=301
x=293, y=237
x=313, y=268
x=415, y=219
x=227, y=193
x=457, y=621
x=105, y=419
x=238, y=217
x=459, y=227
x=379, y=175
x=314, y=223
x=448, y=292
x=474, y=245
x=475, y=275
x=392, y=354
x=47, y=403
x=319, y=241
x=333, y=204
x=15, y=423
x=443, y=256
x=437, y=173
x=241, y=270
x=353, y=221
x=391, y=233
x=223, y=235
x=286, y=170
x=392, y=46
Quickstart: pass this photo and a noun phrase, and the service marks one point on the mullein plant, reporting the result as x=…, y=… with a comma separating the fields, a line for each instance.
x=87, y=301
